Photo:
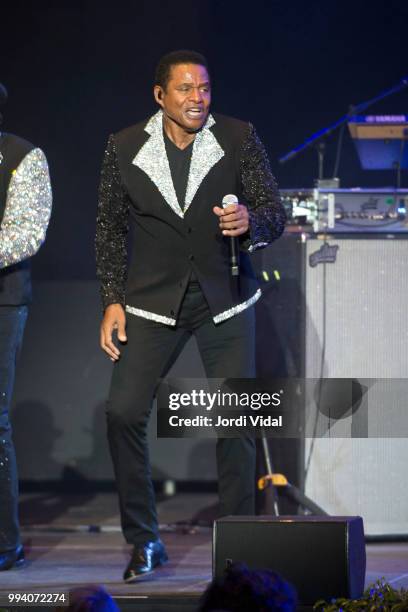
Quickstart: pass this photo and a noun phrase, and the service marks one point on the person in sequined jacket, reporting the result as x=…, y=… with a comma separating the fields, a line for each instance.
x=25, y=207
x=166, y=178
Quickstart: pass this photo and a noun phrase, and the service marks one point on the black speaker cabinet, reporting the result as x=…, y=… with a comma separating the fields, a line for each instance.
x=323, y=557
x=280, y=344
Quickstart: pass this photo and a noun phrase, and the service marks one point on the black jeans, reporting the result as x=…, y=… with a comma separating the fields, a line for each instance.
x=12, y=323
x=227, y=350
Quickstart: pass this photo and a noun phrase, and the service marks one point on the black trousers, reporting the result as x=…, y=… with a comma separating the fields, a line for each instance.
x=227, y=350
x=12, y=323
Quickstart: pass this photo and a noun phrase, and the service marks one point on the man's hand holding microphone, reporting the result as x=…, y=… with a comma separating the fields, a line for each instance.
x=234, y=221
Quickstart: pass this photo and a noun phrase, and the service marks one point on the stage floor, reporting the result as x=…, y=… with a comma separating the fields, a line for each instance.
x=76, y=540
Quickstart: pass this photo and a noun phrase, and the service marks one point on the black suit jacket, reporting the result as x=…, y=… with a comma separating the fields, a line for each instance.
x=167, y=239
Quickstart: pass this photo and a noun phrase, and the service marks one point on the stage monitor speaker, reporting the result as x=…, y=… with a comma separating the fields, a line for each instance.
x=322, y=557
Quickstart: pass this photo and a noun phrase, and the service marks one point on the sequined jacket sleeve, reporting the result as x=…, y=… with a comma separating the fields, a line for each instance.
x=112, y=225
x=27, y=211
x=267, y=215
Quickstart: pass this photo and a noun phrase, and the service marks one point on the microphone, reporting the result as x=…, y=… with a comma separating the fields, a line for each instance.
x=3, y=94
x=227, y=200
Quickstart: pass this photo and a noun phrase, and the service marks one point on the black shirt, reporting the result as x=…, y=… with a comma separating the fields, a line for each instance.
x=179, y=162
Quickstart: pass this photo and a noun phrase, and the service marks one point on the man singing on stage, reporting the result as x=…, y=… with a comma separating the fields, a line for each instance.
x=25, y=208
x=167, y=177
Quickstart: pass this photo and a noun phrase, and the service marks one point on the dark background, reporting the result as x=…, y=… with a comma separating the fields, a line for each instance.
x=77, y=71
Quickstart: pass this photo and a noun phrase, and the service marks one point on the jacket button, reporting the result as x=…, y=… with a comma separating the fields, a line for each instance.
x=189, y=230
x=191, y=257
x=172, y=312
x=181, y=285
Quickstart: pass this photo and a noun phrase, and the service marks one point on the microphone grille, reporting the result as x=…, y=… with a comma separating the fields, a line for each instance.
x=229, y=199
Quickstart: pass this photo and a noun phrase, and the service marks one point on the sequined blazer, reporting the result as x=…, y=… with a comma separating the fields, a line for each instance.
x=25, y=208
x=167, y=240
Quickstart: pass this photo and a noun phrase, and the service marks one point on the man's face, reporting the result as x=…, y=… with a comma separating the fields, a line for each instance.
x=186, y=99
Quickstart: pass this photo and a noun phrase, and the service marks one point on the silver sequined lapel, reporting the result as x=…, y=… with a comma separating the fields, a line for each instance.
x=206, y=153
x=152, y=159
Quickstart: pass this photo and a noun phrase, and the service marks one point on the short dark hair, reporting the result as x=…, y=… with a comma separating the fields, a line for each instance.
x=240, y=589
x=90, y=598
x=184, y=56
